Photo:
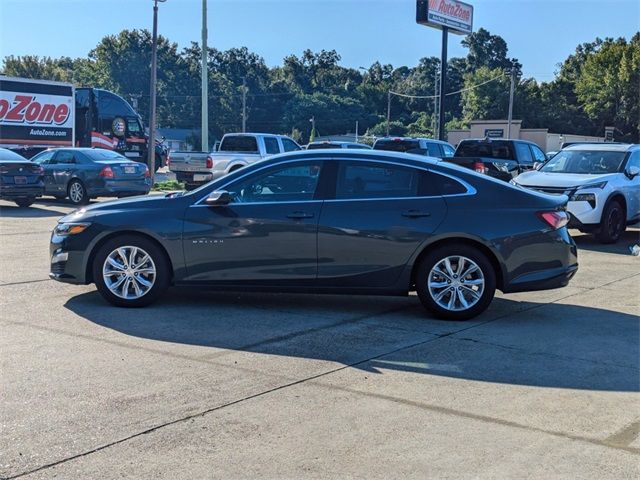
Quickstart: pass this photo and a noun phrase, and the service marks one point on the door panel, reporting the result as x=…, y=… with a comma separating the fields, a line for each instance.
x=381, y=213
x=267, y=234
x=368, y=243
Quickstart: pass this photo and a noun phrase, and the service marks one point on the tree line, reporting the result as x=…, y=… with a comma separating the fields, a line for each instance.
x=596, y=86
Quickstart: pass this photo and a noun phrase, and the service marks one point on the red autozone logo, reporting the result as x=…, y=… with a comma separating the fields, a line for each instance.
x=25, y=109
x=455, y=10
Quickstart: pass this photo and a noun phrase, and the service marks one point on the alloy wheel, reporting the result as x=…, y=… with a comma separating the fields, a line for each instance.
x=456, y=283
x=76, y=192
x=129, y=272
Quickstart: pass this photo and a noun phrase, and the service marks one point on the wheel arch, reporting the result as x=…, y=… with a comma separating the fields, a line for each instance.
x=618, y=196
x=460, y=240
x=94, y=250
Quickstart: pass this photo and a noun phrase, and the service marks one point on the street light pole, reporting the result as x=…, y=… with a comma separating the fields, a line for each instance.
x=151, y=149
x=244, y=104
x=205, y=82
x=443, y=84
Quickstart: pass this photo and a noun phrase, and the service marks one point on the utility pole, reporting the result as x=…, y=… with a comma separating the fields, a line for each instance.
x=511, y=91
x=356, y=131
x=388, y=110
x=244, y=104
x=205, y=82
x=151, y=149
x=443, y=83
x=435, y=104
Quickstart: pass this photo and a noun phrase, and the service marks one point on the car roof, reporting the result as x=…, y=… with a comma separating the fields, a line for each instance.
x=328, y=154
x=13, y=156
x=603, y=147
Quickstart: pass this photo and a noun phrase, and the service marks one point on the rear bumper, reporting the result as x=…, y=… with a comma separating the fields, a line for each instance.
x=543, y=280
x=114, y=188
x=198, y=178
x=20, y=191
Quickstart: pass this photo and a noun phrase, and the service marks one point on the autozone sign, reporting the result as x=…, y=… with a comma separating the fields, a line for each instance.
x=35, y=109
x=456, y=16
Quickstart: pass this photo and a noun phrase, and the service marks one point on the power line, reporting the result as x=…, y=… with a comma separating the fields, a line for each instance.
x=447, y=94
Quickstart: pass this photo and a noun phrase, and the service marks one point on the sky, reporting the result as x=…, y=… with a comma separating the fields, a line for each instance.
x=540, y=33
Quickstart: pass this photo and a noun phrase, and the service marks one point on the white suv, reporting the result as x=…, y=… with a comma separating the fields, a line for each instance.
x=602, y=182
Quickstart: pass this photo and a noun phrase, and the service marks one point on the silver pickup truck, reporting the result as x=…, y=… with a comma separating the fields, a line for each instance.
x=236, y=150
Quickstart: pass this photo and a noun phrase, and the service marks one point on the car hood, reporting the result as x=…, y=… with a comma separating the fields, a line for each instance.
x=548, y=179
x=152, y=201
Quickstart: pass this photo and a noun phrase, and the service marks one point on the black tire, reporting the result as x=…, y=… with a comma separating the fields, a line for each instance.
x=25, y=201
x=613, y=223
x=81, y=198
x=162, y=268
x=59, y=197
x=433, y=258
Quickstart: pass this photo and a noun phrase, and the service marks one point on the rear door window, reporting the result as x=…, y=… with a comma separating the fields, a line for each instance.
x=362, y=180
x=271, y=146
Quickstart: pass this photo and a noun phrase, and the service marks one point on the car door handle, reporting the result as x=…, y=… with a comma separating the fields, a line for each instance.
x=300, y=215
x=415, y=214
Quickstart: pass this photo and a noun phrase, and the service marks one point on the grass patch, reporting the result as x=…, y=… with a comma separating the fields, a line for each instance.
x=168, y=185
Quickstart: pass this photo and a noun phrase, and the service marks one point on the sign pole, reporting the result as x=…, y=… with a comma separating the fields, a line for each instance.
x=443, y=83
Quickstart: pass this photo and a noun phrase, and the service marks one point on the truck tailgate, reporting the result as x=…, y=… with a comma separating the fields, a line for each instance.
x=188, y=161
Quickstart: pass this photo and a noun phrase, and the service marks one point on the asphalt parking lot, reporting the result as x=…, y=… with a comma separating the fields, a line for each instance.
x=210, y=385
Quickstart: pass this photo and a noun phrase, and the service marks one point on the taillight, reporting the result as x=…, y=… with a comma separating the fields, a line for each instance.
x=554, y=219
x=479, y=167
x=209, y=162
x=37, y=169
x=4, y=169
x=106, y=172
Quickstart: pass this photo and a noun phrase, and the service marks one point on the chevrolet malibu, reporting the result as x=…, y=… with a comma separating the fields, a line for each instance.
x=326, y=221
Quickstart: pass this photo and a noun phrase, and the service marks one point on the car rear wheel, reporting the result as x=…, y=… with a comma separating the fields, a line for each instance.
x=456, y=282
x=77, y=193
x=612, y=225
x=131, y=271
x=25, y=201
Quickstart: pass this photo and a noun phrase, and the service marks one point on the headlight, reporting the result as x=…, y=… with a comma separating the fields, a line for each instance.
x=599, y=185
x=64, y=229
x=585, y=197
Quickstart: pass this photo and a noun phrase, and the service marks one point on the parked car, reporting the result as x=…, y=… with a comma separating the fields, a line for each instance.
x=236, y=150
x=83, y=173
x=364, y=222
x=419, y=146
x=498, y=158
x=602, y=182
x=20, y=180
x=337, y=144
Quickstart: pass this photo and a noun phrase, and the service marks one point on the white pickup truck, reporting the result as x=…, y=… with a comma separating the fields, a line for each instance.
x=236, y=151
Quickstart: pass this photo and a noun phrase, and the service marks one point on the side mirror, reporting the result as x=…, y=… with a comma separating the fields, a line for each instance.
x=632, y=172
x=537, y=165
x=218, y=198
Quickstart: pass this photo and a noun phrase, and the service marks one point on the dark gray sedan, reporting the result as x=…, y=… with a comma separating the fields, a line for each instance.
x=82, y=173
x=330, y=221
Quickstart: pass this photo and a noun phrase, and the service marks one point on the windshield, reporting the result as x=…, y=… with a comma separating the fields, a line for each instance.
x=499, y=149
x=585, y=161
x=239, y=143
x=397, y=145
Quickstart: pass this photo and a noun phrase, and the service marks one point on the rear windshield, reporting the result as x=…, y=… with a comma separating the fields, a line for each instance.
x=239, y=143
x=592, y=162
x=397, y=145
x=9, y=155
x=101, y=155
x=495, y=149
x=318, y=146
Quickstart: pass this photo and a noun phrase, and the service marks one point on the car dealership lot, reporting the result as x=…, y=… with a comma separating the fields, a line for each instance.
x=213, y=385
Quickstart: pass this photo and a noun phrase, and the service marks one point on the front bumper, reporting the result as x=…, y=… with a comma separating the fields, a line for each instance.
x=67, y=260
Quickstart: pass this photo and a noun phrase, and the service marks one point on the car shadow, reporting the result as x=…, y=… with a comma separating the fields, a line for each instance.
x=9, y=211
x=562, y=346
x=590, y=242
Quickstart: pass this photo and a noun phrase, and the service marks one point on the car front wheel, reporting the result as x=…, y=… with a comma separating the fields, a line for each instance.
x=456, y=282
x=131, y=271
x=612, y=225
